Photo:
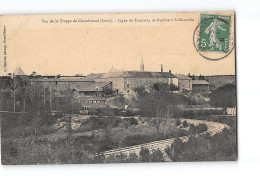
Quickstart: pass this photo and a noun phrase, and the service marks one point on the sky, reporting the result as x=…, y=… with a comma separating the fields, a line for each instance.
x=70, y=48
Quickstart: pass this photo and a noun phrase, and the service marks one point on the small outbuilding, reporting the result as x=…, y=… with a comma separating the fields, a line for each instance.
x=200, y=86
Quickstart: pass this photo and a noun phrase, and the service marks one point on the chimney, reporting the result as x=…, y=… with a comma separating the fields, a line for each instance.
x=170, y=71
x=142, y=65
x=161, y=68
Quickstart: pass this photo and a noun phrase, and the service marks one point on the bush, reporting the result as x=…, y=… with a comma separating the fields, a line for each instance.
x=150, y=103
x=145, y=155
x=184, y=124
x=106, y=144
x=132, y=121
x=156, y=156
x=140, y=90
x=177, y=122
x=117, y=158
x=135, y=140
x=133, y=158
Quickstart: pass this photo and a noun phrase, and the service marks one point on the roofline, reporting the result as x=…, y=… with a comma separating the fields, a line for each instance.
x=61, y=80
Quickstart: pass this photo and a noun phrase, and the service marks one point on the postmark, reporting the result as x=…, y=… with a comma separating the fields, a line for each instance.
x=213, y=37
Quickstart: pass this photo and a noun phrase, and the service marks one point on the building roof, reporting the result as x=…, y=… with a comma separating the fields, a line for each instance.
x=80, y=79
x=92, y=77
x=181, y=76
x=136, y=74
x=19, y=72
x=95, y=86
x=204, y=82
x=91, y=98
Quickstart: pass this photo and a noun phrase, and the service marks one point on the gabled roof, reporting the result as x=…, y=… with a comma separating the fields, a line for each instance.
x=19, y=72
x=60, y=80
x=181, y=76
x=92, y=77
x=95, y=86
x=204, y=82
x=137, y=74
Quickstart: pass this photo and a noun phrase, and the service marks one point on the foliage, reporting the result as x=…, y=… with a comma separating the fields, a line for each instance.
x=156, y=156
x=184, y=124
x=161, y=87
x=173, y=87
x=108, y=91
x=133, y=158
x=177, y=122
x=149, y=104
x=224, y=96
x=135, y=140
x=140, y=90
x=204, y=148
x=145, y=155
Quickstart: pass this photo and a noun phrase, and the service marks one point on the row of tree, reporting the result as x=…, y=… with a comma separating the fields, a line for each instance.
x=22, y=96
x=193, y=77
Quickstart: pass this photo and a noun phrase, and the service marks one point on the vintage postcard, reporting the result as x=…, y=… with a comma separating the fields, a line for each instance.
x=118, y=88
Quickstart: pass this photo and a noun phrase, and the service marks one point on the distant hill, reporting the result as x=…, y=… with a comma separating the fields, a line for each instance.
x=220, y=80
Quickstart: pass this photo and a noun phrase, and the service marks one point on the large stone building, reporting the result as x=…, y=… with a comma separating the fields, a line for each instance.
x=125, y=81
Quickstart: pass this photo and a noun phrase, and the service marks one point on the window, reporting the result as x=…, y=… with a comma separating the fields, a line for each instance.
x=127, y=85
x=128, y=91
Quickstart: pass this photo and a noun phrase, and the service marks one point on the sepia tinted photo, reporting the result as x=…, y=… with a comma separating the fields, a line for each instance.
x=118, y=88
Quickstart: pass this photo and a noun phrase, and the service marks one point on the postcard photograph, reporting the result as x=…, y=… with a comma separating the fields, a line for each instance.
x=118, y=88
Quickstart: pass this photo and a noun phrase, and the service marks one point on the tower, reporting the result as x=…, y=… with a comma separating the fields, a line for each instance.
x=142, y=63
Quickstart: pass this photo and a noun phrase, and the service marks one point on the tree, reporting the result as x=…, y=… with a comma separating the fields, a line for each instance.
x=159, y=116
x=156, y=156
x=145, y=155
x=224, y=96
x=140, y=90
x=133, y=158
x=151, y=102
x=201, y=77
x=173, y=87
x=161, y=87
x=193, y=77
x=175, y=151
x=107, y=90
x=16, y=85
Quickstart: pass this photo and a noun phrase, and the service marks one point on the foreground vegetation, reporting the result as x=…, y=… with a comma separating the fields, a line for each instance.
x=32, y=134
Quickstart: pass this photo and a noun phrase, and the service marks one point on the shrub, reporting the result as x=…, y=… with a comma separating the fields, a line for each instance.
x=117, y=158
x=140, y=90
x=132, y=121
x=156, y=156
x=184, y=124
x=145, y=155
x=134, y=140
x=177, y=122
x=133, y=158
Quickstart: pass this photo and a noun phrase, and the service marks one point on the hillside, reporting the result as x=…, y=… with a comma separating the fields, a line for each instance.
x=220, y=80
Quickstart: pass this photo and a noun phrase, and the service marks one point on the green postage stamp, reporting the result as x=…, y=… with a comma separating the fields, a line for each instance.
x=214, y=33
